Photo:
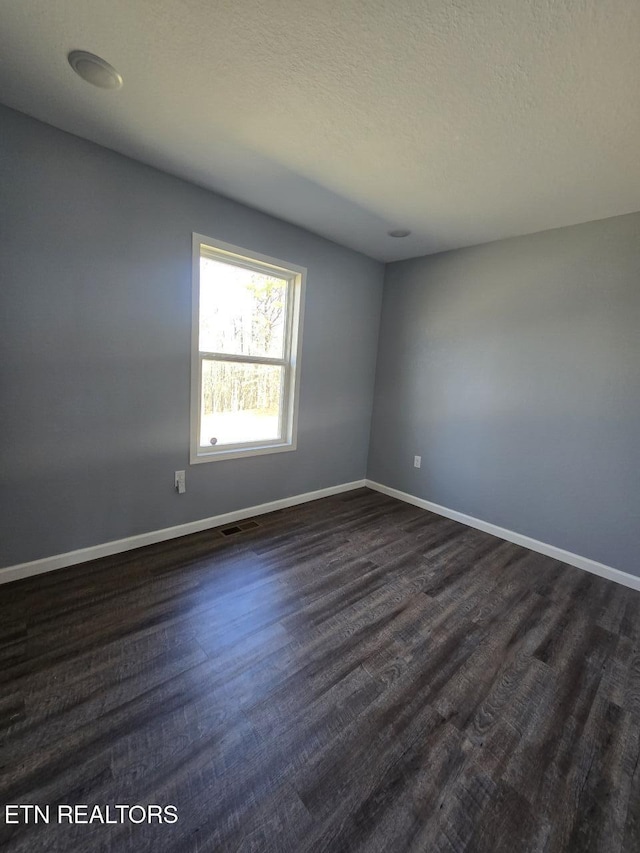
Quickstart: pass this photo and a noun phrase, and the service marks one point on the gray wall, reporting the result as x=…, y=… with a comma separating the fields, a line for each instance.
x=513, y=369
x=95, y=292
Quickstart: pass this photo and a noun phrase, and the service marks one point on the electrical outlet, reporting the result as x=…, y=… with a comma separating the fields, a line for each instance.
x=180, y=483
x=417, y=461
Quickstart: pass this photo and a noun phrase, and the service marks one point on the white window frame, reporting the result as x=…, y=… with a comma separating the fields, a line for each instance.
x=296, y=277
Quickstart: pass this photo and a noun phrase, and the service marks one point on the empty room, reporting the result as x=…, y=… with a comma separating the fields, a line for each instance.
x=320, y=426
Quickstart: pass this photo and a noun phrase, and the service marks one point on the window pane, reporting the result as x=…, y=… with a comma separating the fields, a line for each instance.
x=241, y=312
x=240, y=402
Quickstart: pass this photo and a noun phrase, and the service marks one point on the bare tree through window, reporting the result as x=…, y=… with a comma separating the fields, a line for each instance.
x=245, y=315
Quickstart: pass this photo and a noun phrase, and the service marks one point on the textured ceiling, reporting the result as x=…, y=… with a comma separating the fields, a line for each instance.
x=463, y=121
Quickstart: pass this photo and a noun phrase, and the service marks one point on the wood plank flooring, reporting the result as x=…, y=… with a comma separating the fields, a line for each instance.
x=353, y=674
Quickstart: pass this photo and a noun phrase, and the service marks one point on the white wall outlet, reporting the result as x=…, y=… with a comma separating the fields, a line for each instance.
x=417, y=461
x=180, y=483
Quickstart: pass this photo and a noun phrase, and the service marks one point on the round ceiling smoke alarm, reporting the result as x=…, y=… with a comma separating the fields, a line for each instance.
x=399, y=232
x=94, y=70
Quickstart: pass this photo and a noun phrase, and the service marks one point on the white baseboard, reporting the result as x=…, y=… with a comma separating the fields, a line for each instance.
x=576, y=560
x=82, y=555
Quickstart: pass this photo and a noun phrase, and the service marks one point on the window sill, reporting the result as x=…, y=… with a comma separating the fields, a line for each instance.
x=236, y=453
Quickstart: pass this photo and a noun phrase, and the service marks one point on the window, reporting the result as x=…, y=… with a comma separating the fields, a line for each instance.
x=247, y=315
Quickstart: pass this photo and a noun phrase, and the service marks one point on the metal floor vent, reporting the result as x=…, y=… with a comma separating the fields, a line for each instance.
x=239, y=528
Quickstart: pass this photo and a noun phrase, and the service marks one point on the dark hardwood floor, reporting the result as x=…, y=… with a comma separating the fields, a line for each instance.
x=350, y=674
